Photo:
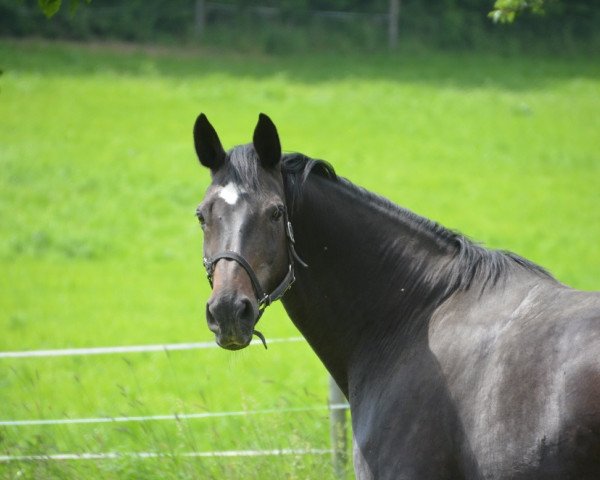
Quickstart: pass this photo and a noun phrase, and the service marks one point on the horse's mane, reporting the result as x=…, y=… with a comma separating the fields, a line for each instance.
x=473, y=262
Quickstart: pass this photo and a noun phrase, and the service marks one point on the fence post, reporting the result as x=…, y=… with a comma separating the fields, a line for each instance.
x=199, y=18
x=338, y=429
x=393, y=16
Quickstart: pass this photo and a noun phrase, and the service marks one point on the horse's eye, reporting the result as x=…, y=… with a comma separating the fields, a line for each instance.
x=201, y=219
x=277, y=213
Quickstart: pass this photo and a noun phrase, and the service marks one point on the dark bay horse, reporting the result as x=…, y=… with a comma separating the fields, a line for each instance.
x=459, y=362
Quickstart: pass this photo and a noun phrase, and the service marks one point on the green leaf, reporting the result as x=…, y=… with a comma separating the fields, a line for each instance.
x=505, y=11
x=49, y=7
x=496, y=16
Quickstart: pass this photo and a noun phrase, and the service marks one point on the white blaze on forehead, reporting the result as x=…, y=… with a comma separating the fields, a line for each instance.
x=230, y=193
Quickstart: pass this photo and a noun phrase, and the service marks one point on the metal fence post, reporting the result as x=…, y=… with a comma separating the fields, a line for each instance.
x=338, y=429
x=393, y=16
x=199, y=18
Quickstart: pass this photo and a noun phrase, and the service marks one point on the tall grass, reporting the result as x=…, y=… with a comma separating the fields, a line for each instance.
x=99, y=244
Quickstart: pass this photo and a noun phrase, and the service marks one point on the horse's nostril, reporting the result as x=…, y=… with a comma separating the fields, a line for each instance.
x=227, y=310
x=245, y=311
x=210, y=319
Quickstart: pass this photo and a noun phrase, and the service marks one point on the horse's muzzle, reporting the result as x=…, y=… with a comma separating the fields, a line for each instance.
x=231, y=317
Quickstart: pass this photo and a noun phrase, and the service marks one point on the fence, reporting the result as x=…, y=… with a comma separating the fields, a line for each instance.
x=178, y=20
x=336, y=406
x=202, y=7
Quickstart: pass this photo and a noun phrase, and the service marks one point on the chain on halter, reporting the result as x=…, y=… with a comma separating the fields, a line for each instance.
x=264, y=299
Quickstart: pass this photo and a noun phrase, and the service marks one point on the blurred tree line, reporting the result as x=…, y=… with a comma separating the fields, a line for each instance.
x=308, y=25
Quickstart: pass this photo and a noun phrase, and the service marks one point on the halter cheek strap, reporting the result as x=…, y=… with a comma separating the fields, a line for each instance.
x=264, y=299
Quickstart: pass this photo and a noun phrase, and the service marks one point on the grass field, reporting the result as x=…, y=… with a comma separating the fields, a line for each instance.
x=99, y=245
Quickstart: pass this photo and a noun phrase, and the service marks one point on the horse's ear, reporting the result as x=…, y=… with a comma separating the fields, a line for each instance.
x=208, y=146
x=266, y=142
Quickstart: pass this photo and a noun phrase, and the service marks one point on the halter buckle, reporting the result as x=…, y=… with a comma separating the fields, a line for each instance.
x=265, y=300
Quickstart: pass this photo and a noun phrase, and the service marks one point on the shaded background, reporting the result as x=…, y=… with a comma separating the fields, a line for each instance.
x=311, y=25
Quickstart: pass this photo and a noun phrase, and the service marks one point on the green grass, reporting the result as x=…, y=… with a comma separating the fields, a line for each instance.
x=99, y=244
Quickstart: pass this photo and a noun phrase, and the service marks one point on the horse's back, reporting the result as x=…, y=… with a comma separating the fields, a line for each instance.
x=523, y=368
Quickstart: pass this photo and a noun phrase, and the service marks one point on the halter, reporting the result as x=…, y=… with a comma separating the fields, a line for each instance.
x=264, y=299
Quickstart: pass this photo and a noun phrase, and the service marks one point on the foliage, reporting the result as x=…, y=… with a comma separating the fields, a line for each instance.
x=505, y=11
x=51, y=7
x=307, y=25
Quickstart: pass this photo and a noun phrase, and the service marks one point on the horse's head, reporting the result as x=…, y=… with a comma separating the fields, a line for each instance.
x=247, y=239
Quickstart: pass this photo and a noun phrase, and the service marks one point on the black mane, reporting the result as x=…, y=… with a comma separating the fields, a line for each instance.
x=474, y=263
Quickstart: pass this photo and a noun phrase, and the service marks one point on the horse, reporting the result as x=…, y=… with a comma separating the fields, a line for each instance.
x=458, y=362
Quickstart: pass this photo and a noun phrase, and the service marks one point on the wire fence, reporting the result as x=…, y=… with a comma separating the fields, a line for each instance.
x=175, y=416
x=336, y=404
x=150, y=455
x=169, y=347
x=193, y=19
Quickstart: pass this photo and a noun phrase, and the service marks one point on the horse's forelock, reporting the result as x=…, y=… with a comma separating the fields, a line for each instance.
x=242, y=167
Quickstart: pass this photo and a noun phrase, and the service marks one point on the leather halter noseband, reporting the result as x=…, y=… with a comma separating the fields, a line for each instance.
x=264, y=299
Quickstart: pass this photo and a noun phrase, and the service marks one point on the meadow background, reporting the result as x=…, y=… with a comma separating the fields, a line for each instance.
x=99, y=245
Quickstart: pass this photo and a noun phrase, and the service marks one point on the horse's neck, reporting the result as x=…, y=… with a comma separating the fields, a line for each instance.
x=367, y=283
